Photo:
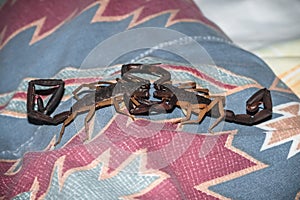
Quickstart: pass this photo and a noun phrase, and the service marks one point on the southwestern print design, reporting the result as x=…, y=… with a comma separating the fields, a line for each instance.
x=150, y=157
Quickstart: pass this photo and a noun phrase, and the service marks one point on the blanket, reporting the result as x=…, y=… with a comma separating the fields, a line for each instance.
x=150, y=157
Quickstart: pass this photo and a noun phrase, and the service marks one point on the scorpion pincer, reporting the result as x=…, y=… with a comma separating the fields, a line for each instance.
x=143, y=105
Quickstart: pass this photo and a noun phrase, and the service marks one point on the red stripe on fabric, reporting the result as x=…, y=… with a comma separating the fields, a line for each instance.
x=55, y=12
x=50, y=14
x=145, y=9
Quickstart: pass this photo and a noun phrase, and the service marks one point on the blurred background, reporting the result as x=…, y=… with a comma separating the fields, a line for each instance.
x=269, y=29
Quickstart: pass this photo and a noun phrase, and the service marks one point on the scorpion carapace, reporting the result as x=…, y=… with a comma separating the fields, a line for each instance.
x=134, y=92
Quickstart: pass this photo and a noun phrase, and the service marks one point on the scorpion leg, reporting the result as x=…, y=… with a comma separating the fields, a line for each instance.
x=71, y=117
x=202, y=110
x=188, y=108
x=116, y=102
x=187, y=85
x=89, y=116
x=219, y=101
x=88, y=85
x=206, y=108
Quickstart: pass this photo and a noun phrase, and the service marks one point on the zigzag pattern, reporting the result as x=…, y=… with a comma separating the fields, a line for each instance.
x=223, y=160
x=50, y=15
x=47, y=17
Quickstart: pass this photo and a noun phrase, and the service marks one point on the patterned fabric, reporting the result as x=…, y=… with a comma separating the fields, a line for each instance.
x=284, y=59
x=150, y=157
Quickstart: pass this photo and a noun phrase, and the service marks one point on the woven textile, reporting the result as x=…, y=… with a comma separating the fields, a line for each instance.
x=150, y=157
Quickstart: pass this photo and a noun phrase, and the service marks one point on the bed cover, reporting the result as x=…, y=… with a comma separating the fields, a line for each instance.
x=149, y=158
